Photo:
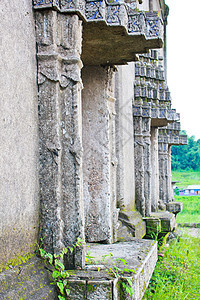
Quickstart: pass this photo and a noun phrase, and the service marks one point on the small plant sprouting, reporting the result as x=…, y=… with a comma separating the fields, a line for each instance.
x=115, y=271
x=59, y=274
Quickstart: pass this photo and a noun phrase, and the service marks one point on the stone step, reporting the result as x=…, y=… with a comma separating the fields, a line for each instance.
x=131, y=225
x=160, y=222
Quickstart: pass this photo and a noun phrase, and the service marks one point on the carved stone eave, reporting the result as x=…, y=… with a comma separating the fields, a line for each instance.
x=174, y=140
x=113, y=33
x=108, y=45
x=160, y=116
x=171, y=135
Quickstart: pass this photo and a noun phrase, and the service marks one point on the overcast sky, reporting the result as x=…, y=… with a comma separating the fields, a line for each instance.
x=183, y=52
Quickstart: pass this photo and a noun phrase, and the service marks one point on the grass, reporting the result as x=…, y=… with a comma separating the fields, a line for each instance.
x=186, y=178
x=177, y=273
x=191, y=209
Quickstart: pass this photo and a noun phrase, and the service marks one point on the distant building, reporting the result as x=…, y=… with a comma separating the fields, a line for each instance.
x=191, y=190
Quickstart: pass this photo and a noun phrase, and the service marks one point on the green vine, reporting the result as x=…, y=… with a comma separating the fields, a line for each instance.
x=59, y=274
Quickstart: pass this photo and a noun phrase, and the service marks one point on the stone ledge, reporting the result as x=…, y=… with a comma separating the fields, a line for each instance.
x=95, y=283
x=140, y=255
x=114, y=32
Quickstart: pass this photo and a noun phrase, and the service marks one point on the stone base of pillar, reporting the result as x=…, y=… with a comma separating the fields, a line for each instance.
x=131, y=225
x=168, y=221
x=174, y=207
x=159, y=223
x=153, y=227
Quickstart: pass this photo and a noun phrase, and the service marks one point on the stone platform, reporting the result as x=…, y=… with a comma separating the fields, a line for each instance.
x=33, y=280
x=96, y=283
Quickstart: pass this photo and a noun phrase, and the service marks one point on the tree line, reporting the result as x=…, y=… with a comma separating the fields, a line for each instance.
x=186, y=157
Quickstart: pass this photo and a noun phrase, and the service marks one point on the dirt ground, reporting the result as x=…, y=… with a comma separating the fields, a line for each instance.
x=195, y=232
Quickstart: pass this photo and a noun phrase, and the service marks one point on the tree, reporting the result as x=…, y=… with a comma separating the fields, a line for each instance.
x=186, y=157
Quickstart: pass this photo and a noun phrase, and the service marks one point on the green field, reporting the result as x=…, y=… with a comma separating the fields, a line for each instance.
x=186, y=178
x=177, y=273
x=191, y=209
x=191, y=204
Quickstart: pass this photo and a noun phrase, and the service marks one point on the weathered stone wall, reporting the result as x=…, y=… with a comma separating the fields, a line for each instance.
x=19, y=206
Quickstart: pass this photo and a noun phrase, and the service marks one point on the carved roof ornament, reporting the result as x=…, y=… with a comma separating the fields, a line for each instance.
x=115, y=26
x=152, y=96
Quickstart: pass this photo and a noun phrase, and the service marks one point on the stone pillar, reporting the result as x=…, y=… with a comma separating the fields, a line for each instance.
x=163, y=172
x=139, y=165
x=171, y=190
x=147, y=164
x=99, y=158
x=155, y=169
x=59, y=107
x=124, y=92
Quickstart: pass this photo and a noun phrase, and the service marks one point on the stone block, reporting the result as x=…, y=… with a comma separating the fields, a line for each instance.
x=131, y=224
x=153, y=226
x=174, y=207
x=140, y=256
x=78, y=289
x=168, y=221
x=99, y=290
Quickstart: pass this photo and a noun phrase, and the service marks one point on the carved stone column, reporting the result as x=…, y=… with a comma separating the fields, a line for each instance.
x=171, y=191
x=163, y=172
x=147, y=164
x=155, y=169
x=139, y=165
x=59, y=107
x=99, y=158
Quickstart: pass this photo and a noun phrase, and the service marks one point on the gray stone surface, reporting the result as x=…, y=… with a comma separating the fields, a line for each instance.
x=124, y=94
x=27, y=281
x=155, y=169
x=153, y=226
x=19, y=203
x=99, y=155
x=168, y=221
x=140, y=255
x=174, y=207
x=134, y=223
x=59, y=96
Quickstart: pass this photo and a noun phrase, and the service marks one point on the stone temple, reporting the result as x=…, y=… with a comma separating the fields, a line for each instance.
x=87, y=125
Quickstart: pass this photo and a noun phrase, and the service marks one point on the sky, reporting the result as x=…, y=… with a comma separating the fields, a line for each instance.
x=183, y=66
